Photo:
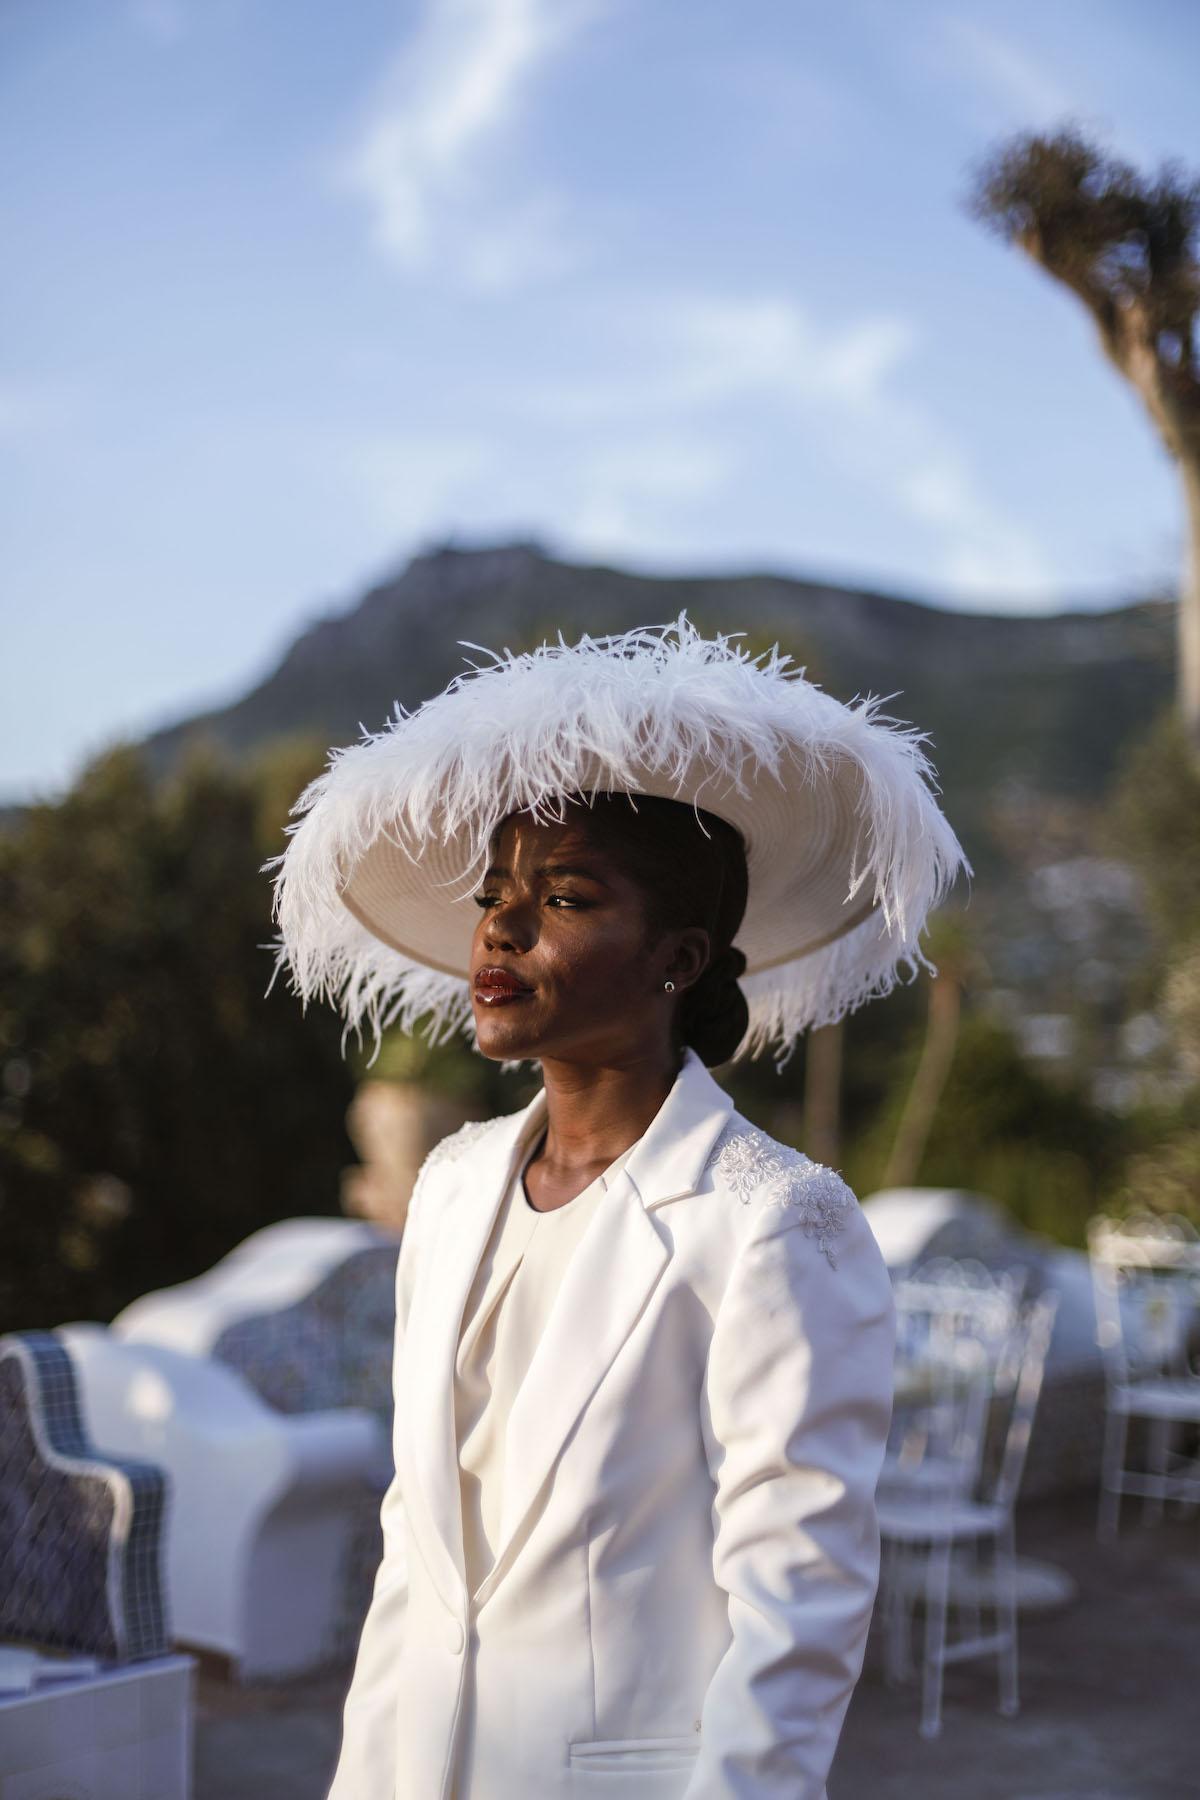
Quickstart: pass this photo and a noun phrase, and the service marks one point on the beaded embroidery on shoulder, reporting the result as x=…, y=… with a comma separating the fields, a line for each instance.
x=448, y=1151
x=459, y=1142
x=750, y=1162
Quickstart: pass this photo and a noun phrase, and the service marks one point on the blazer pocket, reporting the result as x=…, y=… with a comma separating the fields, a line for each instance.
x=612, y=1767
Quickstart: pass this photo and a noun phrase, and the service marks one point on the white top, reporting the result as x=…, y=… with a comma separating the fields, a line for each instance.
x=515, y=1286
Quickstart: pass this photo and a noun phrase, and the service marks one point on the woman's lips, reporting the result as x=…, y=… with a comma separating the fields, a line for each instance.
x=495, y=987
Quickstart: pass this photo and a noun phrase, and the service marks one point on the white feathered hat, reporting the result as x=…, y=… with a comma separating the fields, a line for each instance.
x=846, y=848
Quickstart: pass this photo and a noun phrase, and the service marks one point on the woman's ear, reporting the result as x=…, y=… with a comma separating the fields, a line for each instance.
x=688, y=958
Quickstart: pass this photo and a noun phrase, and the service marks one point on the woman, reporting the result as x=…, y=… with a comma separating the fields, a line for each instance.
x=643, y=1353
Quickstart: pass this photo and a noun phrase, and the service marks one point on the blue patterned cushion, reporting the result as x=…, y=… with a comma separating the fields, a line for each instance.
x=80, y=1531
x=332, y=1348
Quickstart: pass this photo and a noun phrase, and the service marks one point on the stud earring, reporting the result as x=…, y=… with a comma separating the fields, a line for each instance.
x=668, y=987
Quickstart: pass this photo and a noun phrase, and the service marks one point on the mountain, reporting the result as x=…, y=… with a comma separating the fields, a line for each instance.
x=1011, y=703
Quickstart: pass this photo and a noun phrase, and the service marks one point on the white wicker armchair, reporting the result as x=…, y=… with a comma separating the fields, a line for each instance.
x=262, y=1504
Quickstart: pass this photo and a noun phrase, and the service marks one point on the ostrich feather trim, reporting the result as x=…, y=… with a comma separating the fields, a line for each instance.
x=657, y=710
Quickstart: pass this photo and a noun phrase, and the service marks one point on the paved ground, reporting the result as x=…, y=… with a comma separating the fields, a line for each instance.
x=1110, y=1705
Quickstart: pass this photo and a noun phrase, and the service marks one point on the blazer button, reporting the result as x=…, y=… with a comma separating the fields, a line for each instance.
x=455, y=1637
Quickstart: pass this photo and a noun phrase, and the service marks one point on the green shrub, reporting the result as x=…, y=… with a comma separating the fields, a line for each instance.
x=158, y=1104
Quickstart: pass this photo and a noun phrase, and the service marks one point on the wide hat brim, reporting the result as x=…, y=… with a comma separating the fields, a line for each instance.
x=846, y=847
x=803, y=839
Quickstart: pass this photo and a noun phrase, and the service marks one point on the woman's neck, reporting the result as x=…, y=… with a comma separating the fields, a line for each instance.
x=592, y=1116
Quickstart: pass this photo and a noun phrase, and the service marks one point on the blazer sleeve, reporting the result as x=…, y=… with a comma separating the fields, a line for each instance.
x=798, y=1397
x=367, y=1760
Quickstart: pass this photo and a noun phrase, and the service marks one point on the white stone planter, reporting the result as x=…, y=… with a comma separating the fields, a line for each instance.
x=122, y=1734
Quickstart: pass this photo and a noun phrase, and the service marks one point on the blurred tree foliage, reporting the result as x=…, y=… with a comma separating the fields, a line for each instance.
x=1031, y=1142
x=949, y=947
x=158, y=1105
x=452, y=1068
x=1182, y=1002
x=1155, y=824
x=1164, y=1179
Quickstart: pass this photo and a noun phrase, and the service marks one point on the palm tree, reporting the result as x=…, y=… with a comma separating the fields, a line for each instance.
x=1128, y=247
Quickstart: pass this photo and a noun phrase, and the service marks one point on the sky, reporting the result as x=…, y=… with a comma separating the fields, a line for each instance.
x=290, y=290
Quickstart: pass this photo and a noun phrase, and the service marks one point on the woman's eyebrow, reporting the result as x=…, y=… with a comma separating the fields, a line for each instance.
x=497, y=872
x=580, y=874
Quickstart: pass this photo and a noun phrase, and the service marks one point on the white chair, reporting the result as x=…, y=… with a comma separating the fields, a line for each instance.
x=921, y=1531
x=955, y=1323
x=262, y=1505
x=1146, y=1277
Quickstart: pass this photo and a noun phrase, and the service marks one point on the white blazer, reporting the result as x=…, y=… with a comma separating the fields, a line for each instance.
x=689, y=1553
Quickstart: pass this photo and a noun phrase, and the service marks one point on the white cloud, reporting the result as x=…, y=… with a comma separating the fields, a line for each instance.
x=425, y=158
x=664, y=467
x=706, y=349
x=530, y=242
x=696, y=360
x=630, y=493
x=407, y=486
x=985, y=556
x=1012, y=76
x=772, y=345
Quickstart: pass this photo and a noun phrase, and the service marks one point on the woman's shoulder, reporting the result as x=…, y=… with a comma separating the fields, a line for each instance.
x=477, y=1136
x=453, y=1148
x=763, y=1176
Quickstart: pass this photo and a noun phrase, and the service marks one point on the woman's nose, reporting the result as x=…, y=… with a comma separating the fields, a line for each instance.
x=507, y=928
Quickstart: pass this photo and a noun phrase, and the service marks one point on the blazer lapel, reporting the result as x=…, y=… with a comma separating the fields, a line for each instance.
x=671, y=1158
x=462, y=1226
x=615, y=1268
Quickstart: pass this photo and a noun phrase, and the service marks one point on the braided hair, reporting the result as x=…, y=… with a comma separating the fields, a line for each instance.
x=691, y=869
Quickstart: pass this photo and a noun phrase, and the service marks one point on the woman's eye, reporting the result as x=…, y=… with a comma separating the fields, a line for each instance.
x=486, y=901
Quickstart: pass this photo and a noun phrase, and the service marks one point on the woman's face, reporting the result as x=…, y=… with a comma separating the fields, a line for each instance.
x=561, y=966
